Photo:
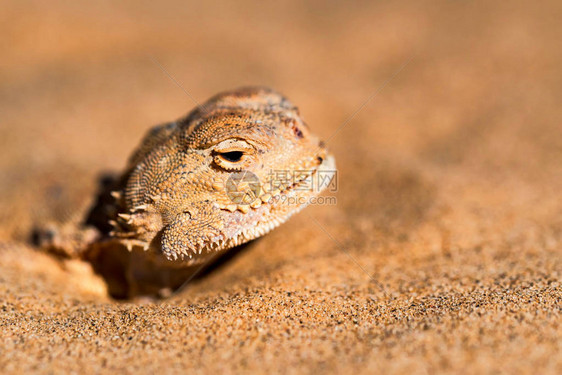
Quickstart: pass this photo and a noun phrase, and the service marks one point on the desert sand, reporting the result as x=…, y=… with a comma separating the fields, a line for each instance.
x=441, y=255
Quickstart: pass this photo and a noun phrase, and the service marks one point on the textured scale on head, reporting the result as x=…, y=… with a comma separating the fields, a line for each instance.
x=218, y=178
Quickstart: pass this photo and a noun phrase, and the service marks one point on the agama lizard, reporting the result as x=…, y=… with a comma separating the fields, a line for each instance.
x=230, y=171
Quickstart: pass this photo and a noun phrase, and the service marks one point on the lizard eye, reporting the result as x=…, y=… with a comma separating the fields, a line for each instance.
x=232, y=156
x=231, y=160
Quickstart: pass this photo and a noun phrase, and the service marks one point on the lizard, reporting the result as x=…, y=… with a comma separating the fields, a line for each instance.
x=228, y=172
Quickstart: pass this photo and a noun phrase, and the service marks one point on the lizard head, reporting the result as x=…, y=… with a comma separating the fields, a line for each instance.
x=232, y=170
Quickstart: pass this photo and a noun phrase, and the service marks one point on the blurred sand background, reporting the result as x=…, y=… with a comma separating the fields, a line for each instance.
x=442, y=255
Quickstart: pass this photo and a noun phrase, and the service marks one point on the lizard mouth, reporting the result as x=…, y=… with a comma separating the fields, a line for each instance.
x=308, y=181
x=274, y=208
x=280, y=206
x=250, y=194
x=270, y=207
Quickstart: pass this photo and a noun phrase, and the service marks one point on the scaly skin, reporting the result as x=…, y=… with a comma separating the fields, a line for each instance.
x=180, y=199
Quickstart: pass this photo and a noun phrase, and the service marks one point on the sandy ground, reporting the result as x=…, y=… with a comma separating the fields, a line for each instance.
x=442, y=254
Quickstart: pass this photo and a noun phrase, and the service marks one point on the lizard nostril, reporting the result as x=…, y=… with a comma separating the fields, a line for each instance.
x=297, y=131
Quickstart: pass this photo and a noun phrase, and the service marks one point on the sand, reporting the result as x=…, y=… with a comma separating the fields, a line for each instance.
x=441, y=255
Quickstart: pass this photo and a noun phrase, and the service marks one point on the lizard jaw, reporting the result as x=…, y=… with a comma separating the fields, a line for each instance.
x=279, y=208
x=240, y=226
